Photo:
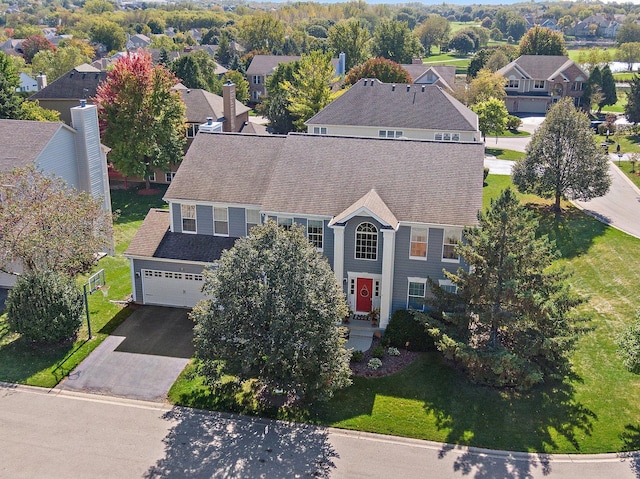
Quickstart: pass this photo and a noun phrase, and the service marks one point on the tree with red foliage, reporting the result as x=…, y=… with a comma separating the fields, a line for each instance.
x=142, y=119
x=33, y=44
x=386, y=71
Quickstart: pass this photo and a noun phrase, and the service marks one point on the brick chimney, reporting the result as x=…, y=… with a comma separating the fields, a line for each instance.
x=229, y=106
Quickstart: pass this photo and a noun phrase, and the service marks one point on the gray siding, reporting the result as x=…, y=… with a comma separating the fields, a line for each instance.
x=139, y=265
x=360, y=265
x=177, y=218
x=327, y=247
x=405, y=267
x=237, y=223
x=59, y=157
x=204, y=218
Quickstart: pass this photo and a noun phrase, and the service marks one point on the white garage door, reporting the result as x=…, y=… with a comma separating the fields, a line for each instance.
x=167, y=288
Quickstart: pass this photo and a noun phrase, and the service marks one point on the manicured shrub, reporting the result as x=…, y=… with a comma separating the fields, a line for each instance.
x=513, y=123
x=374, y=363
x=357, y=356
x=45, y=307
x=378, y=352
x=404, y=331
x=628, y=343
x=393, y=351
x=484, y=175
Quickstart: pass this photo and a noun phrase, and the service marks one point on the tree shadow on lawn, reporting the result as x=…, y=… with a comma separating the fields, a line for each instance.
x=474, y=415
x=573, y=232
x=210, y=444
x=134, y=207
x=631, y=447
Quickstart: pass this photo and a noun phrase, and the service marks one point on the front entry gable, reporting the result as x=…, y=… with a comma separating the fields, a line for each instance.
x=370, y=205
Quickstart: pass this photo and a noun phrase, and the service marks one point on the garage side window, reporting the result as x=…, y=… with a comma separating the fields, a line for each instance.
x=188, y=218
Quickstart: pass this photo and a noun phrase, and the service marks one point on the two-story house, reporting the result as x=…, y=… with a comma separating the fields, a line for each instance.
x=387, y=214
x=71, y=153
x=384, y=110
x=443, y=76
x=535, y=82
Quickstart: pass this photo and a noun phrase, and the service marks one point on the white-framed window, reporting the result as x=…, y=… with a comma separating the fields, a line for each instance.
x=220, y=221
x=447, y=285
x=257, y=79
x=577, y=86
x=256, y=95
x=418, y=248
x=513, y=83
x=315, y=233
x=455, y=136
x=446, y=136
x=538, y=84
x=192, y=130
x=390, y=133
x=188, y=213
x=319, y=130
x=366, y=241
x=252, y=219
x=416, y=293
x=168, y=176
x=450, y=240
x=285, y=222
x=152, y=177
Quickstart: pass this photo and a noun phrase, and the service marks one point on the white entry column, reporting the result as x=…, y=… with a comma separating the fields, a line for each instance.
x=388, y=258
x=338, y=253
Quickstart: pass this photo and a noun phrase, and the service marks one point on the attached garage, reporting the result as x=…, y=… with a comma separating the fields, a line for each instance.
x=168, y=288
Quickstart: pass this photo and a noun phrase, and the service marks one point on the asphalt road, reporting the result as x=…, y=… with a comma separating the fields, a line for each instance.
x=61, y=434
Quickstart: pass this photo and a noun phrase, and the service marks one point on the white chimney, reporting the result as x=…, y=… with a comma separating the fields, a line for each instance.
x=41, y=80
x=229, y=106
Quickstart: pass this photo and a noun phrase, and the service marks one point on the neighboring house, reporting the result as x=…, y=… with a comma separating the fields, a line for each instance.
x=535, y=82
x=595, y=26
x=27, y=83
x=65, y=92
x=12, y=47
x=71, y=153
x=442, y=76
x=260, y=68
x=138, y=41
x=386, y=213
x=374, y=109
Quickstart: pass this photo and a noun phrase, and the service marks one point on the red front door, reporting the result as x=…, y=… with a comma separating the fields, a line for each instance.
x=364, y=291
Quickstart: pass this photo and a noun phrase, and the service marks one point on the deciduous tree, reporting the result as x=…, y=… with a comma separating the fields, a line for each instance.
x=271, y=311
x=628, y=32
x=433, y=31
x=261, y=31
x=242, y=85
x=350, y=37
x=197, y=70
x=56, y=63
x=629, y=53
x=542, y=41
x=492, y=116
x=511, y=322
x=393, y=40
x=563, y=158
x=387, y=71
x=48, y=226
x=141, y=116
x=109, y=34
x=9, y=81
x=486, y=85
x=34, y=44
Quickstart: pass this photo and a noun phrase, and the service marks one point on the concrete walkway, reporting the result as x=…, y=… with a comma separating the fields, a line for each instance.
x=60, y=434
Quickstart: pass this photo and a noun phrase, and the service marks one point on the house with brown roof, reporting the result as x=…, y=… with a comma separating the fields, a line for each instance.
x=387, y=214
x=443, y=76
x=535, y=82
x=65, y=92
x=71, y=153
x=385, y=110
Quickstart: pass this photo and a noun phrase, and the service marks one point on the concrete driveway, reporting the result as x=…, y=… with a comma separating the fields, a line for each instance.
x=141, y=360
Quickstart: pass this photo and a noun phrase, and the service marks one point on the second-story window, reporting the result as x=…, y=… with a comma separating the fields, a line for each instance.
x=366, y=241
x=220, y=221
x=315, y=230
x=188, y=218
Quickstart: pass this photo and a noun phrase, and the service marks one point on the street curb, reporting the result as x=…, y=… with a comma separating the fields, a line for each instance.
x=444, y=448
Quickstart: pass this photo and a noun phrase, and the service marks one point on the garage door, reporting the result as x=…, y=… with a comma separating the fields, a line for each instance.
x=167, y=288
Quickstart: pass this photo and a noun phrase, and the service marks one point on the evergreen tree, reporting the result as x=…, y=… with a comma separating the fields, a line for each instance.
x=563, y=158
x=632, y=108
x=608, y=85
x=593, y=86
x=223, y=53
x=510, y=323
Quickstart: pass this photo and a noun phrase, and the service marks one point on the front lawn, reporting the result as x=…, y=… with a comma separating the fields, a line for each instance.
x=626, y=168
x=22, y=363
x=503, y=154
x=595, y=411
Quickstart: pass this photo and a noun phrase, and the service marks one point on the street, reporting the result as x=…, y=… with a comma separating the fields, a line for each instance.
x=60, y=434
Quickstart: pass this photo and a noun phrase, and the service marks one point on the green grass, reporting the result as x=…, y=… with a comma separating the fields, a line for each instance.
x=626, y=168
x=461, y=62
x=628, y=143
x=619, y=105
x=623, y=76
x=516, y=134
x=596, y=411
x=503, y=154
x=24, y=363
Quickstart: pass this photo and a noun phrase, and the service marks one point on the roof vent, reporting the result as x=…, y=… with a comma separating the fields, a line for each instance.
x=365, y=82
x=408, y=87
x=209, y=120
x=393, y=87
x=83, y=103
x=423, y=87
x=188, y=90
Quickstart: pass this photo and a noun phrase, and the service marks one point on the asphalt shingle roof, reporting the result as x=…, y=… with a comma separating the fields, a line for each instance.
x=539, y=66
x=420, y=181
x=21, y=141
x=201, y=104
x=72, y=84
x=265, y=64
x=373, y=103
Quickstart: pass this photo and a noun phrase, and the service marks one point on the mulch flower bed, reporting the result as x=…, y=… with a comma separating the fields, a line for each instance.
x=390, y=364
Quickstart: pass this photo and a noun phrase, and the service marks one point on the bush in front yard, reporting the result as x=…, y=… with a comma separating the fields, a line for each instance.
x=403, y=329
x=513, y=123
x=45, y=307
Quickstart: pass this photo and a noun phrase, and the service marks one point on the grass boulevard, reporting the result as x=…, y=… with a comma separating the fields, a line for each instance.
x=594, y=411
